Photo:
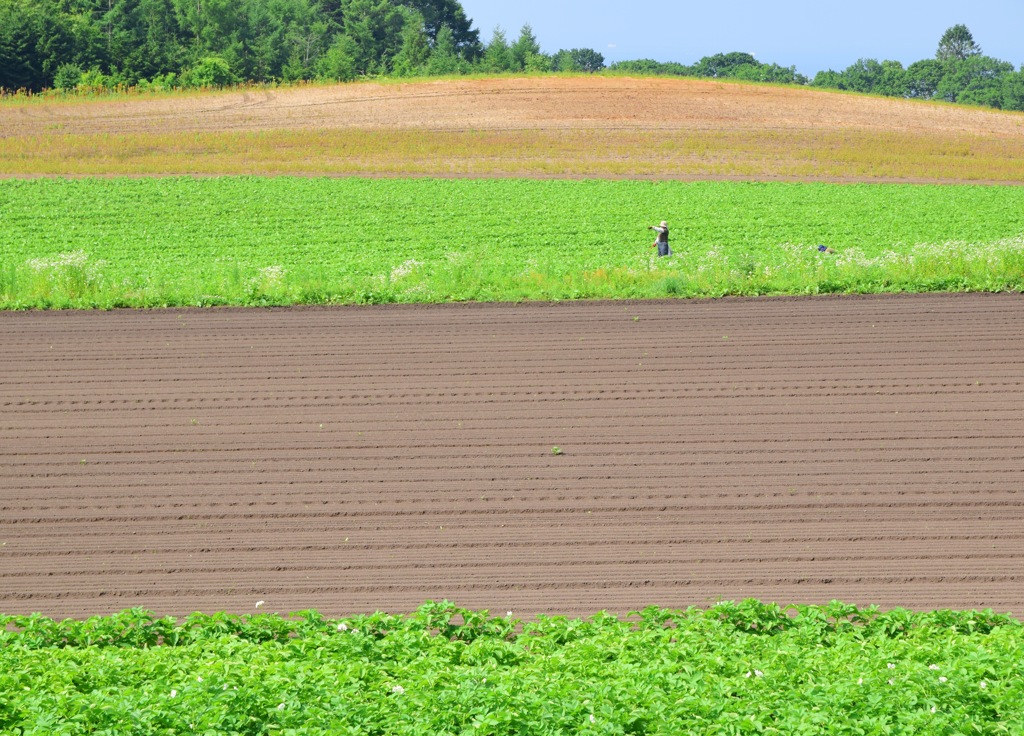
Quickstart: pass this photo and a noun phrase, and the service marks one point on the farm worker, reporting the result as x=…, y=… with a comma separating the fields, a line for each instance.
x=662, y=241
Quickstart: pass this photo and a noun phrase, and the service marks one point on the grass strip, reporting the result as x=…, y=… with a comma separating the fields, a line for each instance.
x=597, y=153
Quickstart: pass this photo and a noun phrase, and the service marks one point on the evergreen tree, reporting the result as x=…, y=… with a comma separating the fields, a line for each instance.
x=444, y=58
x=525, y=48
x=376, y=28
x=957, y=44
x=415, y=50
x=339, y=63
x=438, y=14
x=498, y=54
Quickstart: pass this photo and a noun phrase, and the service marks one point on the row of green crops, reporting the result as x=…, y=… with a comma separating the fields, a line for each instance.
x=736, y=668
x=247, y=241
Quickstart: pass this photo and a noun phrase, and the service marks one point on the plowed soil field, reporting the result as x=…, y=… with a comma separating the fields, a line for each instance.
x=579, y=127
x=867, y=449
x=526, y=103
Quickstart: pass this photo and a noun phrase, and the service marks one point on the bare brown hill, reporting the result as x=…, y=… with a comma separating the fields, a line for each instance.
x=553, y=126
x=553, y=103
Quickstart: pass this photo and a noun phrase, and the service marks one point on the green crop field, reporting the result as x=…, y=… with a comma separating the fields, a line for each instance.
x=735, y=668
x=253, y=241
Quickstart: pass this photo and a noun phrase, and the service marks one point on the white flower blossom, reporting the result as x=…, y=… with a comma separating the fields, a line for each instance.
x=983, y=684
x=174, y=693
x=342, y=626
x=398, y=689
x=272, y=275
x=942, y=679
x=933, y=666
x=891, y=666
x=592, y=719
x=281, y=706
x=405, y=269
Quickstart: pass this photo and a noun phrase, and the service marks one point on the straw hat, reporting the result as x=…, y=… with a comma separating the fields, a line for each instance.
x=664, y=224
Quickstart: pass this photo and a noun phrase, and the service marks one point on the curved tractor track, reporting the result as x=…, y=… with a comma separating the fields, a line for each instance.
x=865, y=449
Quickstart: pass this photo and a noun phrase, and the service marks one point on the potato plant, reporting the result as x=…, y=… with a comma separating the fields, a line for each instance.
x=734, y=668
x=254, y=241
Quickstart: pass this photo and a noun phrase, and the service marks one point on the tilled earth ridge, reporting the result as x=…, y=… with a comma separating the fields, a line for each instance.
x=867, y=449
x=545, y=103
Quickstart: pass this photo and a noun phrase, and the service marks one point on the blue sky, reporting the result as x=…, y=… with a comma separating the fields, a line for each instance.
x=809, y=35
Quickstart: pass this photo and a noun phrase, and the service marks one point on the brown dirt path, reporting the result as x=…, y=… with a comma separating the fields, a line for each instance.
x=865, y=449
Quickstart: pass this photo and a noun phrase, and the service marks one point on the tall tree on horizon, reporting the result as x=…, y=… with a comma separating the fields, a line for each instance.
x=438, y=13
x=957, y=44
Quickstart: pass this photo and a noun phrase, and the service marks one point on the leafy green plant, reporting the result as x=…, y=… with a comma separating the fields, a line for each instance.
x=250, y=241
x=736, y=667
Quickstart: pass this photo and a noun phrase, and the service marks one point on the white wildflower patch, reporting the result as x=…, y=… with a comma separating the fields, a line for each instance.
x=74, y=259
x=268, y=277
x=71, y=272
x=398, y=690
x=272, y=275
x=404, y=269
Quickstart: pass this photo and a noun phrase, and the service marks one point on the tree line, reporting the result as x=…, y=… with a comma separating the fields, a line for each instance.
x=161, y=44
x=88, y=44
x=959, y=72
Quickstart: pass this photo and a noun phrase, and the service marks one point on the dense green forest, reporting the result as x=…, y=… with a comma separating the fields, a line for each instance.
x=89, y=45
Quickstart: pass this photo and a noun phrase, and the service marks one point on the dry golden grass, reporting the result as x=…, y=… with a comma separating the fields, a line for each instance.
x=532, y=127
